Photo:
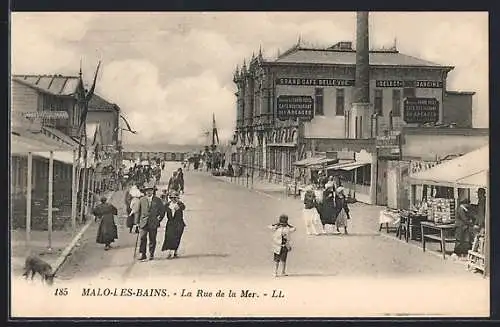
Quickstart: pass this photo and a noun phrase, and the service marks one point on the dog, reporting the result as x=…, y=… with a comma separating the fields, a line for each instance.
x=35, y=265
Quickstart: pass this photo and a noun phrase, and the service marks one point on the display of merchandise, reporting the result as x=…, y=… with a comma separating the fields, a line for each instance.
x=441, y=211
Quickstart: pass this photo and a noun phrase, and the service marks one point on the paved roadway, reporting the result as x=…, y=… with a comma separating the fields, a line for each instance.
x=226, y=234
x=227, y=246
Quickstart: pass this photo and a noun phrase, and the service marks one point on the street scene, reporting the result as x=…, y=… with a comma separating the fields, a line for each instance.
x=354, y=168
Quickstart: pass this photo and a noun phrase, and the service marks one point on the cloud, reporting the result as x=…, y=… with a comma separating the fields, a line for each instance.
x=170, y=71
x=39, y=41
x=178, y=113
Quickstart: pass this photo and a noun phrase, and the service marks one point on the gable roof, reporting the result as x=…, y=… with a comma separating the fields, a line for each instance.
x=97, y=103
x=336, y=57
x=52, y=84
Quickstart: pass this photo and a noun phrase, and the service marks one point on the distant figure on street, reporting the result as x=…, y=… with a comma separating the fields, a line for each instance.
x=281, y=243
x=342, y=210
x=107, y=232
x=175, y=225
x=174, y=183
x=151, y=213
x=180, y=176
x=328, y=211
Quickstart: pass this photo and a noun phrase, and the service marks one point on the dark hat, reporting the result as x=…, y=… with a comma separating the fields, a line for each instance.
x=104, y=199
x=149, y=186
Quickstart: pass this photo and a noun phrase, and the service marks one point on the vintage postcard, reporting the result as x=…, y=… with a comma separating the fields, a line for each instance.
x=249, y=164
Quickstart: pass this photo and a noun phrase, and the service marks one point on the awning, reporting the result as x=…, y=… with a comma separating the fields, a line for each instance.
x=349, y=165
x=469, y=170
x=61, y=156
x=314, y=161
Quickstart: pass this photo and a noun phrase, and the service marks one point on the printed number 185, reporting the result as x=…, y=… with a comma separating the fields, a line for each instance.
x=61, y=292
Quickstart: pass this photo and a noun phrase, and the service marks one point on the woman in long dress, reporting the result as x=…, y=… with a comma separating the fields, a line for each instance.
x=175, y=225
x=328, y=208
x=136, y=195
x=107, y=232
x=340, y=205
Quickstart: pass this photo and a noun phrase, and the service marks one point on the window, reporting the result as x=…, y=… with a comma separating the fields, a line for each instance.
x=409, y=92
x=339, y=109
x=363, y=175
x=318, y=99
x=396, y=103
x=379, y=103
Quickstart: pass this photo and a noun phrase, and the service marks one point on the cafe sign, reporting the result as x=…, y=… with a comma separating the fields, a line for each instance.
x=293, y=107
x=420, y=84
x=314, y=81
x=421, y=110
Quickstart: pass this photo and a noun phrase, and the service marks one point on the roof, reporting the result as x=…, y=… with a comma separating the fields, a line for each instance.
x=97, y=103
x=469, y=170
x=22, y=144
x=161, y=147
x=52, y=84
x=460, y=92
x=60, y=135
x=335, y=57
x=314, y=161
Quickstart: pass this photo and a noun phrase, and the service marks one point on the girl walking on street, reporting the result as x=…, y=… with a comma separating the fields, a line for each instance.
x=281, y=243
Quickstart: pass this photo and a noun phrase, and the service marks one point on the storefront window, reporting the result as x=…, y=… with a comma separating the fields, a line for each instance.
x=339, y=109
x=363, y=175
x=396, y=103
x=378, y=106
x=318, y=102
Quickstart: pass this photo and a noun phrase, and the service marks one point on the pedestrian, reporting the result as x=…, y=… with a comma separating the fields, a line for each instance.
x=175, y=225
x=281, y=243
x=328, y=212
x=180, y=177
x=173, y=183
x=310, y=213
x=342, y=211
x=464, y=229
x=151, y=213
x=107, y=232
x=136, y=195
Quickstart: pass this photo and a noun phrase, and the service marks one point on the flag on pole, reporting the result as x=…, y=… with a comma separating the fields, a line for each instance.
x=128, y=129
x=215, y=134
x=84, y=97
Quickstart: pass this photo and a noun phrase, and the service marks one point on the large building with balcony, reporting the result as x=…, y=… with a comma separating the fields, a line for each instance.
x=297, y=108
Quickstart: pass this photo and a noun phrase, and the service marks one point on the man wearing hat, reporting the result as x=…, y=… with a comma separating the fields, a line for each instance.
x=151, y=213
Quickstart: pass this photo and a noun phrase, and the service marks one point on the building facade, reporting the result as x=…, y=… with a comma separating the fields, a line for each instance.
x=300, y=105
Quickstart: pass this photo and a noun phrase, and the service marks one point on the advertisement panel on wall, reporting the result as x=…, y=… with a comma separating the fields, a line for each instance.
x=389, y=146
x=295, y=106
x=421, y=110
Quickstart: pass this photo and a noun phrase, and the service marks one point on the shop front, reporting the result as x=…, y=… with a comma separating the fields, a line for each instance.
x=444, y=189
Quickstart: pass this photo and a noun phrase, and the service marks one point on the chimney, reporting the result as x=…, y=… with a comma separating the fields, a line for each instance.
x=358, y=117
x=362, y=85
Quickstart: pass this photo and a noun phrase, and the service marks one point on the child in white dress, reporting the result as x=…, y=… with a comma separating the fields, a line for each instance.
x=281, y=243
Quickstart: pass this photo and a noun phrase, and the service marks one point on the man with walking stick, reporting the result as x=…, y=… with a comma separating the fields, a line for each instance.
x=151, y=213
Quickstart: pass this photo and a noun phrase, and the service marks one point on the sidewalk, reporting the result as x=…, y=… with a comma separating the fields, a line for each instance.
x=39, y=244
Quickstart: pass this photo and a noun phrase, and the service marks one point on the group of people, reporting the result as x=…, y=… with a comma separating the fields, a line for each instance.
x=145, y=213
x=140, y=174
x=325, y=208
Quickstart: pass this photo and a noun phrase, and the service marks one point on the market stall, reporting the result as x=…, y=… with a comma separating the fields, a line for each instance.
x=450, y=184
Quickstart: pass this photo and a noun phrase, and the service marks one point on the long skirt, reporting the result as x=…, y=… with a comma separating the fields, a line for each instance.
x=341, y=221
x=173, y=235
x=107, y=232
x=312, y=222
x=130, y=221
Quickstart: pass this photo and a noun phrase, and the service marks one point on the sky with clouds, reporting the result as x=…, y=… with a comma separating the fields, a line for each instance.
x=170, y=71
